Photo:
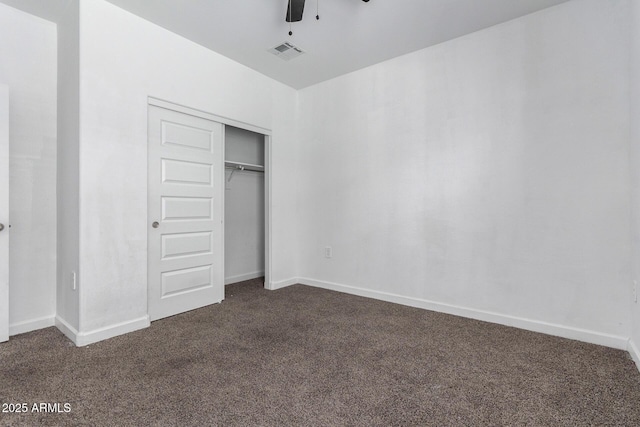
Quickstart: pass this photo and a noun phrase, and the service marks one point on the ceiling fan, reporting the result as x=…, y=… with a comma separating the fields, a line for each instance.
x=295, y=8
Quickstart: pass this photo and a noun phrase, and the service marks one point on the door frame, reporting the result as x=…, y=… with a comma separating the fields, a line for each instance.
x=4, y=214
x=225, y=121
x=267, y=213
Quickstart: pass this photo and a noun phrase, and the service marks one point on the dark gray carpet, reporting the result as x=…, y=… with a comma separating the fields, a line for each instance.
x=305, y=356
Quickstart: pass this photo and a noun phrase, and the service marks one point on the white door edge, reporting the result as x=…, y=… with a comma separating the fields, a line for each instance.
x=4, y=213
x=267, y=214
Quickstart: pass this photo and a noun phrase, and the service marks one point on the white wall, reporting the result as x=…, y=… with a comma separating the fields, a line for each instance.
x=244, y=231
x=118, y=71
x=67, y=310
x=283, y=161
x=487, y=175
x=28, y=67
x=634, y=156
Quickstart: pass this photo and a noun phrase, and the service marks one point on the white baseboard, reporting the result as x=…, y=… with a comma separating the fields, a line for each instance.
x=68, y=330
x=85, y=338
x=281, y=284
x=243, y=277
x=31, y=325
x=585, y=335
x=634, y=351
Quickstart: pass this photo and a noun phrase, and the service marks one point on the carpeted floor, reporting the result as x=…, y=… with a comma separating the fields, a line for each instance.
x=306, y=356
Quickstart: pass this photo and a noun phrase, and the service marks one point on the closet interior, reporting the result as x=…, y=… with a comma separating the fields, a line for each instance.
x=244, y=210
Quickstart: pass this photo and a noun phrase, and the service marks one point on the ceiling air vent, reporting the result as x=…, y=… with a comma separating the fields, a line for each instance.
x=286, y=51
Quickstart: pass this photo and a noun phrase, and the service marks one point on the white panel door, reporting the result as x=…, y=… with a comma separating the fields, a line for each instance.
x=4, y=213
x=185, y=240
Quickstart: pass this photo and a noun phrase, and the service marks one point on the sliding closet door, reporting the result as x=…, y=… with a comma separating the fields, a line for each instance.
x=185, y=240
x=4, y=213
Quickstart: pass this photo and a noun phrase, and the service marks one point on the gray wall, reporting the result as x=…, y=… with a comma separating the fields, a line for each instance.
x=68, y=165
x=634, y=157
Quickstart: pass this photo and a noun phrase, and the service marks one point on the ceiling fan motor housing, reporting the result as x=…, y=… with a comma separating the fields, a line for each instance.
x=295, y=8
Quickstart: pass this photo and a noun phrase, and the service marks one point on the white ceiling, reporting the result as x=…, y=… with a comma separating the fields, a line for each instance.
x=350, y=34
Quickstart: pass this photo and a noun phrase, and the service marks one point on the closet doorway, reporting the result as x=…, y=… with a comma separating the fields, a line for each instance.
x=187, y=193
x=244, y=206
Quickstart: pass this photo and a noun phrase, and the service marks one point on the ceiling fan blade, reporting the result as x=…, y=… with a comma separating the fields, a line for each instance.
x=294, y=10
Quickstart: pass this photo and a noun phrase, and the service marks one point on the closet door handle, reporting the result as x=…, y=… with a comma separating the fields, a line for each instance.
x=155, y=224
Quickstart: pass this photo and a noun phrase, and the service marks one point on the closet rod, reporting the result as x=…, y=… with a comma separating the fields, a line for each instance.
x=243, y=166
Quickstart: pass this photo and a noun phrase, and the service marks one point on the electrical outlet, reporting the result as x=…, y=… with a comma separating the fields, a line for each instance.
x=635, y=291
x=328, y=252
x=74, y=280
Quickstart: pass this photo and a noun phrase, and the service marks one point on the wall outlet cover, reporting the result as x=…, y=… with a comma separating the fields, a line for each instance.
x=328, y=252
